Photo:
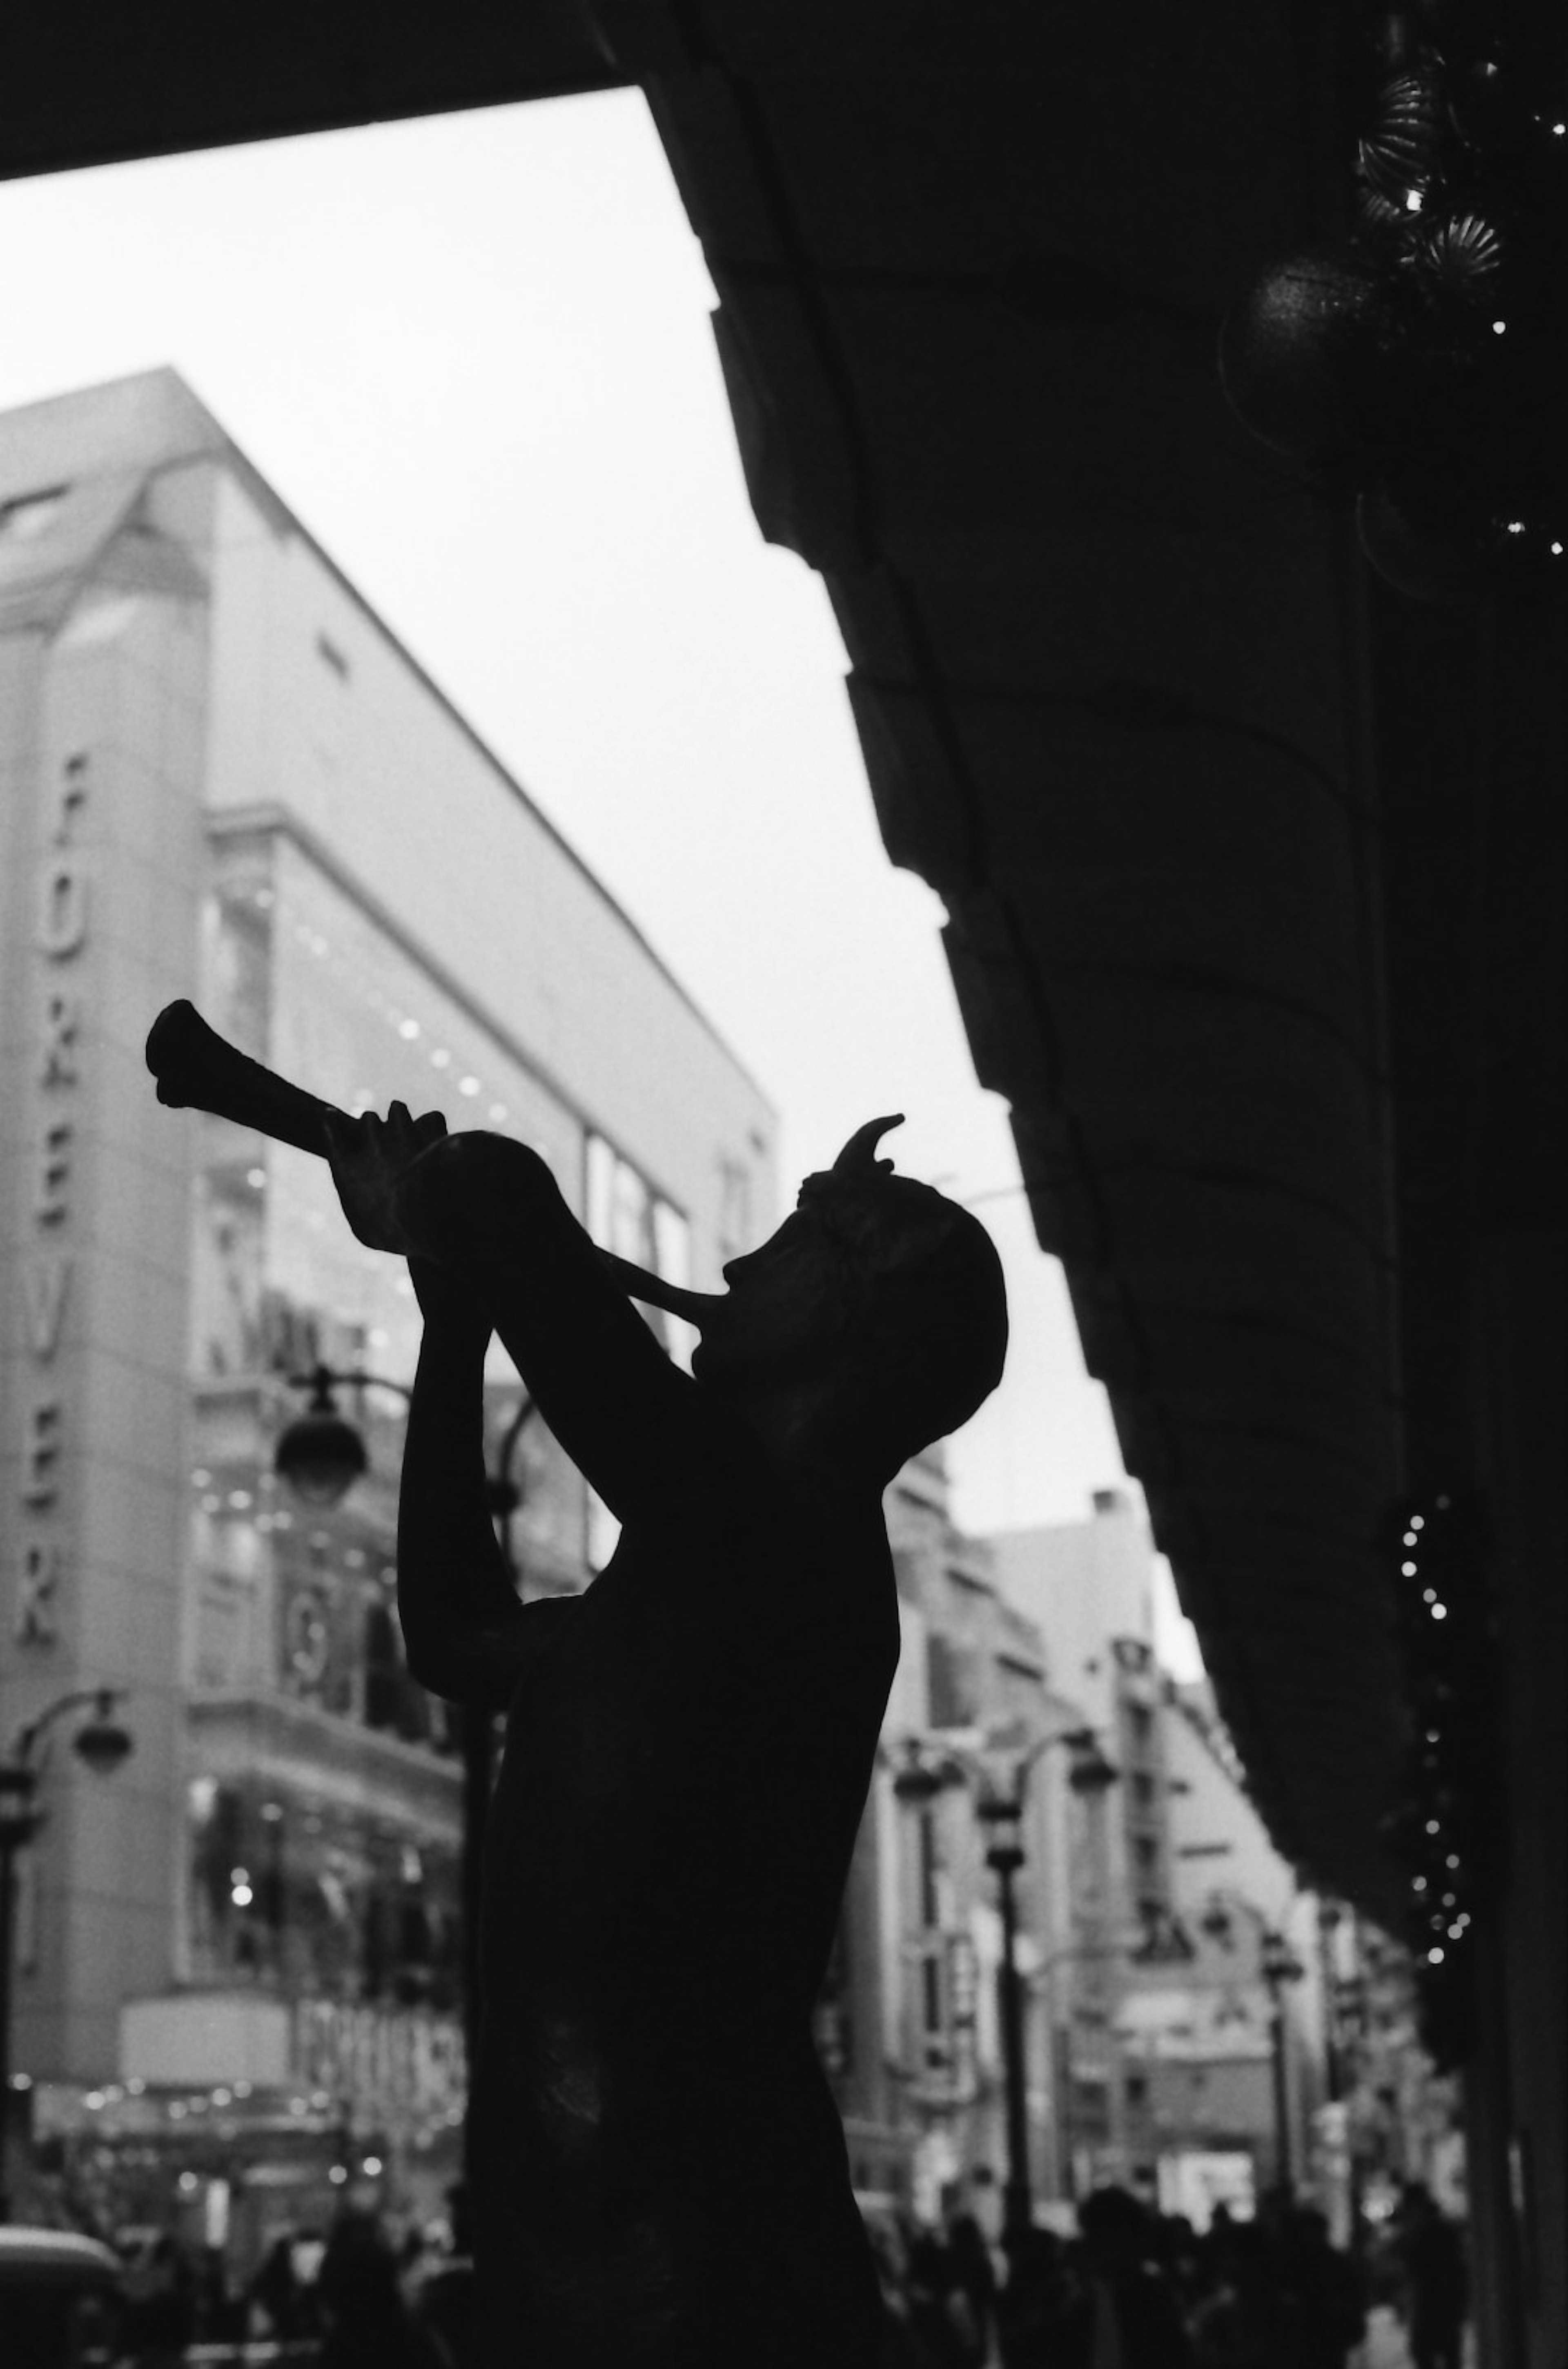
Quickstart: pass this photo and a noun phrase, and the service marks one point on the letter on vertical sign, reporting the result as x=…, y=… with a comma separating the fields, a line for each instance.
x=61, y=1019
x=34, y=1622
x=53, y=1173
x=70, y=796
x=61, y=909
x=41, y=1442
x=46, y=1277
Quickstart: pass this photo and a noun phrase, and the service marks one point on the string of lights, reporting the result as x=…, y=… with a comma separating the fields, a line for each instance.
x=1444, y=1832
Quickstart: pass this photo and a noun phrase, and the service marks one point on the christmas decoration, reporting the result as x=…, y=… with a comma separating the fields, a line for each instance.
x=1446, y=1832
x=1417, y=370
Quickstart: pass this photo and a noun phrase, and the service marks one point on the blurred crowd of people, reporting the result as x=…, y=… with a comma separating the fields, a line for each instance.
x=1133, y=2289
x=1136, y=2289
x=357, y=2298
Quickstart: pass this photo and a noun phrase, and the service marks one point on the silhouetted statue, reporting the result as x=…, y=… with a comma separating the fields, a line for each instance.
x=660, y=2170
x=660, y=2173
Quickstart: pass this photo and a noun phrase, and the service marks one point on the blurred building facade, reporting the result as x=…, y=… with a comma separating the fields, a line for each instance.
x=1169, y=2040
x=220, y=777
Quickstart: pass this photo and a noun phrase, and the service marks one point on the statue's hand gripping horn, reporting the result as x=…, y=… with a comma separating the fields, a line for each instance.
x=198, y=1069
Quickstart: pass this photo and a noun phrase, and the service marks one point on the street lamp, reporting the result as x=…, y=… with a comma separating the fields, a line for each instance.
x=320, y=1456
x=1279, y=1966
x=998, y=1761
x=101, y=1743
x=1001, y=1811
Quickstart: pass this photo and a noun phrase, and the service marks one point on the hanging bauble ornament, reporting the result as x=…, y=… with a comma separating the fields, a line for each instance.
x=1440, y=566
x=1460, y=257
x=1395, y=158
x=1401, y=40
x=1385, y=222
x=1296, y=350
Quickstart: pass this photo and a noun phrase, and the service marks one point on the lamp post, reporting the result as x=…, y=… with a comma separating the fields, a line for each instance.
x=101, y=1743
x=1279, y=1966
x=1003, y=1770
x=320, y=1454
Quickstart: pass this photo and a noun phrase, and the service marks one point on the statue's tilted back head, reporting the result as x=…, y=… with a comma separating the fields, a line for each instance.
x=925, y=1332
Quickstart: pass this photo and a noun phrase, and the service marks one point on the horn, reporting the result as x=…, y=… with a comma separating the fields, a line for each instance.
x=858, y=1156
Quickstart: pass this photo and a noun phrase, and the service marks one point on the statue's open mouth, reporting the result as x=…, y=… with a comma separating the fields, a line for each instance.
x=696, y=1307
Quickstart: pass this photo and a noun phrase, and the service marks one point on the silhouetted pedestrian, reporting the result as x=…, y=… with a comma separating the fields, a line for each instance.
x=369, y=2326
x=446, y=2304
x=971, y=2289
x=1133, y=2320
x=160, y=2308
x=1324, y=2293
x=1431, y=2253
x=1039, y=2303
x=1238, y=2323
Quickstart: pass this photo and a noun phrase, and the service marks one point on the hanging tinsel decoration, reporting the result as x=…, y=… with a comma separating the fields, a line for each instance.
x=1446, y=1833
x=1420, y=369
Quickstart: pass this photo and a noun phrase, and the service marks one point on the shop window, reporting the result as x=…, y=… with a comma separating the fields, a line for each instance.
x=319, y=1901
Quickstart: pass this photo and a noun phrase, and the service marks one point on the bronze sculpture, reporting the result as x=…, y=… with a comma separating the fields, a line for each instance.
x=660, y=2169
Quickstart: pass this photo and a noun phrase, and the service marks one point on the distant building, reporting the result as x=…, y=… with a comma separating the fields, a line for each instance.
x=932, y=2112
x=1088, y=1587
x=1223, y=2080
x=221, y=777
x=1168, y=2073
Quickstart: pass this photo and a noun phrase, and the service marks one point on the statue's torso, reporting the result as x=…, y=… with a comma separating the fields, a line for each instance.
x=687, y=1757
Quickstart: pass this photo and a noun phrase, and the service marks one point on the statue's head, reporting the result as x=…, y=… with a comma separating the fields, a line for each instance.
x=879, y=1298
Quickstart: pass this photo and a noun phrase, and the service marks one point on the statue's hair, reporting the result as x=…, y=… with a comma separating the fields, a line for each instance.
x=926, y=1306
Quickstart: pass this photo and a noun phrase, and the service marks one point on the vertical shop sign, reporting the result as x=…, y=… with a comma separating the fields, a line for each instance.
x=59, y=941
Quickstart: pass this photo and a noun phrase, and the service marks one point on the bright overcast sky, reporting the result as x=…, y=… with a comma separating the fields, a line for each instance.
x=473, y=355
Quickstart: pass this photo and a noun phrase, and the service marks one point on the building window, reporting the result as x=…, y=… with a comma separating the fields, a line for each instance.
x=290, y=1893
x=329, y=654
x=29, y=516
x=733, y=1208
x=950, y=1681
